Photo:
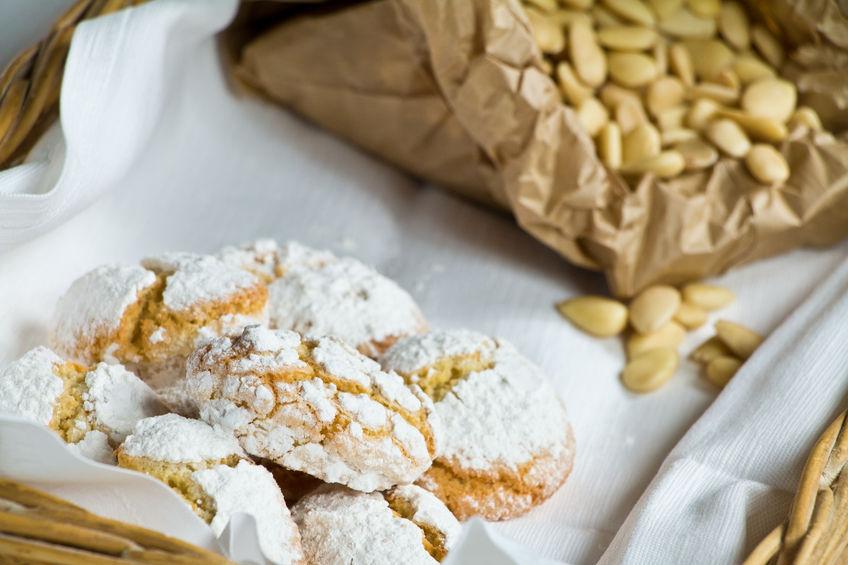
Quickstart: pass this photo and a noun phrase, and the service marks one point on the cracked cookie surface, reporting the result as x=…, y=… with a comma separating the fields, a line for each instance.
x=209, y=470
x=508, y=444
x=316, y=406
x=92, y=409
x=313, y=292
x=151, y=316
x=339, y=525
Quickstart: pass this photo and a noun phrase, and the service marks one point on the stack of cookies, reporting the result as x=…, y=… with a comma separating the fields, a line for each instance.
x=302, y=388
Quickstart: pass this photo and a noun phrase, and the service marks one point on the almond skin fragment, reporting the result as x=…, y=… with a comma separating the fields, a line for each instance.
x=595, y=315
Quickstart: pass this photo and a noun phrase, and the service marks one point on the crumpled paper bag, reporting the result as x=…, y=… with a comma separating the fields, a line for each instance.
x=453, y=91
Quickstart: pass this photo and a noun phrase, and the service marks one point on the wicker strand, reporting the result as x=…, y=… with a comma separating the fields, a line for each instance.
x=816, y=530
x=30, y=85
x=38, y=527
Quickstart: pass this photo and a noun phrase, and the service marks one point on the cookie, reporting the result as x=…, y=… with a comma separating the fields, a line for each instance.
x=314, y=405
x=316, y=293
x=92, y=409
x=406, y=524
x=209, y=470
x=151, y=316
x=507, y=441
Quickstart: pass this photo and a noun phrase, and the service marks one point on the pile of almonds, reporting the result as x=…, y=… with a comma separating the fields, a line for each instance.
x=659, y=318
x=667, y=86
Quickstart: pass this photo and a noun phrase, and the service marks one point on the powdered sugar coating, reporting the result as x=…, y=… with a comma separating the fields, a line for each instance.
x=174, y=439
x=341, y=297
x=268, y=260
x=429, y=511
x=416, y=353
x=116, y=399
x=251, y=489
x=29, y=387
x=95, y=446
x=263, y=387
x=197, y=279
x=95, y=304
x=338, y=525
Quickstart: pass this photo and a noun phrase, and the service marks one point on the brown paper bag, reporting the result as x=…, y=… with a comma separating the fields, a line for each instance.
x=453, y=91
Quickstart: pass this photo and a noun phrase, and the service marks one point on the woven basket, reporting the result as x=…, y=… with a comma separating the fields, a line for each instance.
x=36, y=527
x=816, y=531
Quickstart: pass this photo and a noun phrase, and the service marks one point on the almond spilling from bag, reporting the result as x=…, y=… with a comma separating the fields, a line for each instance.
x=685, y=24
x=690, y=316
x=721, y=369
x=632, y=69
x=665, y=93
x=597, y=315
x=709, y=350
x=593, y=116
x=574, y=91
x=707, y=296
x=767, y=164
x=632, y=10
x=670, y=335
x=609, y=145
x=741, y=340
x=666, y=164
x=805, y=117
x=641, y=143
x=627, y=38
x=548, y=34
x=653, y=308
x=770, y=98
x=697, y=154
x=650, y=370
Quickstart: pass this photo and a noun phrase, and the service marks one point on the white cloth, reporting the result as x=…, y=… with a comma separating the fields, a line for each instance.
x=175, y=161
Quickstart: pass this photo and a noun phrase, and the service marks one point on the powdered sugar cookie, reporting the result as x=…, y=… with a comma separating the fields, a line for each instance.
x=91, y=409
x=316, y=293
x=508, y=444
x=209, y=470
x=151, y=316
x=314, y=405
x=404, y=525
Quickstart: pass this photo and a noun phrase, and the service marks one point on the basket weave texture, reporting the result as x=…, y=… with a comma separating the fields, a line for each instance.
x=36, y=527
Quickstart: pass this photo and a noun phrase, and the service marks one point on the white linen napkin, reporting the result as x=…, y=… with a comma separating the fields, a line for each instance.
x=172, y=160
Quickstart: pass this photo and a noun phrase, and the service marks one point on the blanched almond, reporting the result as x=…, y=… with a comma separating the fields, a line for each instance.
x=665, y=8
x=650, y=370
x=702, y=111
x=632, y=10
x=767, y=164
x=574, y=91
x=586, y=55
x=768, y=45
x=709, y=350
x=544, y=5
x=757, y=128
x=596, y=315
x=690, y=316
x=681, y=63
x=707, y=296
x=578, y=4
x=705, y=8
x=741, y=340
x=666, y=164
x=697, y=154
x=653, y=308
x=567, y=17
x=709, y=57
x=721, y=369
x=685, y=24
x=664, y=93
x=729, y=137
x=805, y=117
x=548, y=34
x=677, y=136
x=671, y=335
x=609, y=145
x=640, y=143
x=671, y=118
x=630, y=114
x=632, y=69
x=660, y=54
x=592, y=115
x=718, y=92
x=750, y=68
x=612, y=95
x=728, y=78
x=770, y=98
x=627, y=38
x=733, y=25
x=604, y=18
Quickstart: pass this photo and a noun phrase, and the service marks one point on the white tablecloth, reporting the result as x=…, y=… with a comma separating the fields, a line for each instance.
x=173, y=160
